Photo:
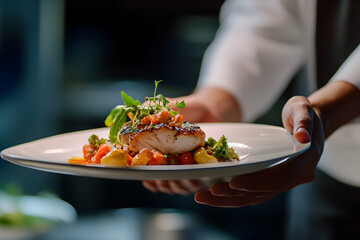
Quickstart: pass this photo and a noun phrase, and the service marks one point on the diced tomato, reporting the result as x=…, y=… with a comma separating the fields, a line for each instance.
x=146, y=120
x=154, y=119
x=89, y=152
x=129, y=159
x=173, y=159
x=103, y=150
x=177, y=121
x=187, y=158
x=164, y=116
x=157, y=159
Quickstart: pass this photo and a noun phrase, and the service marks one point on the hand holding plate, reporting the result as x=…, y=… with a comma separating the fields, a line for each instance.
x=300, y=119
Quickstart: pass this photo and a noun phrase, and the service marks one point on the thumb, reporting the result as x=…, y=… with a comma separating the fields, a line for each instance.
x=297, y=117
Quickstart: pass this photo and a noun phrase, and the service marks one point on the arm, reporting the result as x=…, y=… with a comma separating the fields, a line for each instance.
x=311, y=119
x=337, y=103
x=341, y=94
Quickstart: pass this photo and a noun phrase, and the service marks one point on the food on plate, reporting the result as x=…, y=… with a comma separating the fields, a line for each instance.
x=163, y=137
x=153, y=134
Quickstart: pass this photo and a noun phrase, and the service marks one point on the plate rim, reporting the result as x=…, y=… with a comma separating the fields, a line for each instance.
x=168, y=168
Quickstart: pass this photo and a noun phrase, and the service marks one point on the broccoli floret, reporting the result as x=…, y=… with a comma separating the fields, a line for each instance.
x=211, y=142
x=95, y=141
x=221, y=149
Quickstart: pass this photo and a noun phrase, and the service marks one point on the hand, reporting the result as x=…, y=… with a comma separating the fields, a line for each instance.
x=210, y=105
x=299, y=118
x=196, y=110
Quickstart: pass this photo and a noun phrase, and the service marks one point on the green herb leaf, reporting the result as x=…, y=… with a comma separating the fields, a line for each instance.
x=129, y=101
x=173, y=113
x=118, y=123
x=156, y=86
x=109, y=121
x=162, y=100
x=180, y=104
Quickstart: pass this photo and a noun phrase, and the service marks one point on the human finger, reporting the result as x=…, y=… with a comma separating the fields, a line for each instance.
x=223, y=189
x=178, y=188
x=194, y=185
x=207, y=198
x=163, y=186
x=297, y=117
x=150, y=185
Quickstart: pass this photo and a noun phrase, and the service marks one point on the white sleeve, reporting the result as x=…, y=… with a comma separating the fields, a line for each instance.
x=350, y=69
x=258, y=48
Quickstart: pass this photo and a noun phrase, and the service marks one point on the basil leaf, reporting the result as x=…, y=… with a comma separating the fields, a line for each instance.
x=161, y=98
x=129, y=101
x=180, y=104
x=173, y=113
x=114, y=112
x=118, y=123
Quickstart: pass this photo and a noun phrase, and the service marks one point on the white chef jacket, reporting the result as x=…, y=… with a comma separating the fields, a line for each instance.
x=259, y=47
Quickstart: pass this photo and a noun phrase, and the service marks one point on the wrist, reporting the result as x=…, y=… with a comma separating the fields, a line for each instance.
x=336, y=104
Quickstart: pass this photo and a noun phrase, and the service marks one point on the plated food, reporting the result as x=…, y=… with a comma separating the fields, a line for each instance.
x=152, y=133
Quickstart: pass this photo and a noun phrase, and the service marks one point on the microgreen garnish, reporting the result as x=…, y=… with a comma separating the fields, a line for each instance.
x=119, y=114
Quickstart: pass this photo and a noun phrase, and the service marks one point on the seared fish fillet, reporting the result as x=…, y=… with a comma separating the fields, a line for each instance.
x=164, y=138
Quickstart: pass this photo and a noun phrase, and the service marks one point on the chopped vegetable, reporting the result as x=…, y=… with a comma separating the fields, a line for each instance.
x=220, y=149
x=201, y=157
x=103, y=150
x=95, y=141
x=129, y=159
x=173, y=159
x=115, y=158
x=88, y=152
x=143, y=157
x=187, y=158
x=157, y=159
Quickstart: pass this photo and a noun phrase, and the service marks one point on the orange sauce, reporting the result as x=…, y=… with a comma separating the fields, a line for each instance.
x=78, y=160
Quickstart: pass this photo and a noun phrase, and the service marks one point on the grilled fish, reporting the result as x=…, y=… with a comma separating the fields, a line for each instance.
x=163, y=137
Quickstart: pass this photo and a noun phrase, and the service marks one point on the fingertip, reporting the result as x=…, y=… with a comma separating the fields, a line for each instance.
x=177, y=188
x=236, y=183
x=201, y=196
x=302, y=135
x=149, y=185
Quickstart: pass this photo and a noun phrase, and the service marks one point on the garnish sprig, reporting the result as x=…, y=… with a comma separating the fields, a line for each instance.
x=119, y=114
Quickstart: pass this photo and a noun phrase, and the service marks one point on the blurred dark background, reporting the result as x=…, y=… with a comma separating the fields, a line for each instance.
x=62, y=67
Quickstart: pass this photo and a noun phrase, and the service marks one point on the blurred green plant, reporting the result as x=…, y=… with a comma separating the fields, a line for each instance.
x=18, y=210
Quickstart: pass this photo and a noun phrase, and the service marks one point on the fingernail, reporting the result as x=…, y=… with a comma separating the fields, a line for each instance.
x=302, y=135
x=200, y=196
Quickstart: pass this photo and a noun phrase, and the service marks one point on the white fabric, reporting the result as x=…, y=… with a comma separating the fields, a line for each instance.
x=350, y=70
x=257, y=50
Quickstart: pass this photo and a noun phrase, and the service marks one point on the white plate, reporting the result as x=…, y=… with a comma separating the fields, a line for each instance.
x=259, y=147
